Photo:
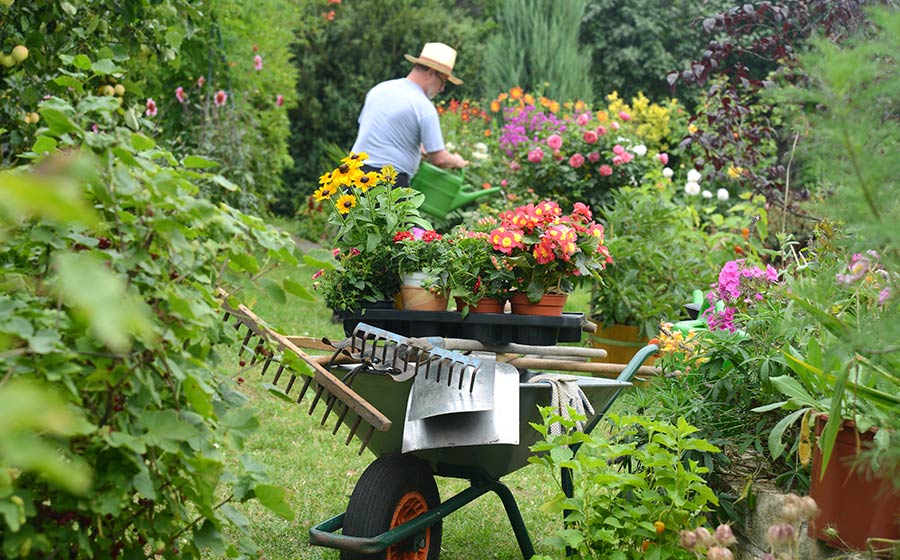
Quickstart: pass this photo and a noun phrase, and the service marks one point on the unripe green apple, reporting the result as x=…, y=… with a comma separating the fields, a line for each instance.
x=20, y=53
x=6, y=3
x=7, y=60
x=107, y=91
x=119, y=89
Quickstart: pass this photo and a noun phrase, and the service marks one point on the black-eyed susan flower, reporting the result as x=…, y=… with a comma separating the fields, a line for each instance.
x=366, y=181
x=345, y=203
x=325, y=192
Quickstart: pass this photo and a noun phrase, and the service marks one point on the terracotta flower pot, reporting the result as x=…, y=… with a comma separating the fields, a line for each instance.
x=857, y=504
x=485, y=305
x=549, y=305
x=419, y=299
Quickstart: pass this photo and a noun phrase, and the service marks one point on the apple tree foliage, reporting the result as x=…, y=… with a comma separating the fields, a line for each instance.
x=122, y=439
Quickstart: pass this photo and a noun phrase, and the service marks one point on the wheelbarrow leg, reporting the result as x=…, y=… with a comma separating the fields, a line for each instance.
x=515, y=518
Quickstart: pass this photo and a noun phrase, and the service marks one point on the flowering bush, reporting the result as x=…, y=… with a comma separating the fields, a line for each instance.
x=679, y=352
x=476, y=271
x=548, y=249
x=579, y=155
x=740, y=286
x=367, y=212
x=420, y=250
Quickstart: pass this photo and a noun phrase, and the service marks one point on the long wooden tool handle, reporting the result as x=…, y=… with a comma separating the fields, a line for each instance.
x=322, y=376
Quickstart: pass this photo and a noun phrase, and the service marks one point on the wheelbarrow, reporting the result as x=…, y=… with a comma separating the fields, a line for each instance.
x=478, y=429
x=445, y=191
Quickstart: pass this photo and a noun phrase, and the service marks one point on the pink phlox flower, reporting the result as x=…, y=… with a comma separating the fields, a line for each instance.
x=583, y=119
x=220, y=98
x=729, y=286
x=151, y=107
x=605, y=170
x=257, y=63
x=536, y=155
x=590, y=136
x=555, y=141
x=722, y=320
x=771, y=273
x=883, y=296
x=758, y=296
x=576, y=161
x=593, y=157
x=180, y=95
x=663, y=158
x=279, y=100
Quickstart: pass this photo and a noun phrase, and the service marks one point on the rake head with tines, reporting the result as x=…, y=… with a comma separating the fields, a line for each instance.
x=326, y=388
x=401, y=359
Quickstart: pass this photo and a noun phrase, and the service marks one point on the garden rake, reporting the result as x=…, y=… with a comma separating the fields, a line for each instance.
x=297, y=364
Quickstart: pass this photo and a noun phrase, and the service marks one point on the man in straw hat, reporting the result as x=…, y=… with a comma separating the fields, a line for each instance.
x=398, y=122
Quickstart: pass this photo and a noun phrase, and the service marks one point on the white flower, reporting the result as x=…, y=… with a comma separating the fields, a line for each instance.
x=693, y=176
x=481, y=147
x=667, y=172
x=722, y=194
x=640, y=150
x=692, y=188
x=450, y=146
x=707, y=194
x=479, y=155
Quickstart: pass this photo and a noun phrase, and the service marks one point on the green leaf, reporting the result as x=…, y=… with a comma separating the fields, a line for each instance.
x=272, y=498
x=69, y=82
x=43, y=144
x=224, y=183
x=245, y=261
x=199, y=162
x=275, y=292
x=140, y=142
x=82, y=62
x=298, y=290
x=114, y=315
x=792, y=388
x=776, y=436
x=277, y=392
x=57, y=121
x=104, y=67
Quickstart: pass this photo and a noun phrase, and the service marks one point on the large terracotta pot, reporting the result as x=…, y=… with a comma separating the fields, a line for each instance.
x=855, y=503
x=621, y=343
x=549, y=305
x=486, y=305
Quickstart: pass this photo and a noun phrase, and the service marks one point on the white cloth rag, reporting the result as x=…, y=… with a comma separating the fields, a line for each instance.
x=565, y=394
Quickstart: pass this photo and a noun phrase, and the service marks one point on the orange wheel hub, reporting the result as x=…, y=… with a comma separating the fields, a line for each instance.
x=411, y=505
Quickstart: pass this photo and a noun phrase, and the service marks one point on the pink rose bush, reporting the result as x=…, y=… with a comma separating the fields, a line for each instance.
x=578, y=156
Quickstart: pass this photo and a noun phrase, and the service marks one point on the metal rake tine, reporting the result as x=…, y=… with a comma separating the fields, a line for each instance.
x=329, y=401
x=472, y=378
x=365, y=442
x=266, y=366
x=462, y=375
x=287, y=390
x=246, y=340
x=226, y=317
x=303, y=389
x=278, y=374
x=353, y=430
x=340, y=419
x=319, y=391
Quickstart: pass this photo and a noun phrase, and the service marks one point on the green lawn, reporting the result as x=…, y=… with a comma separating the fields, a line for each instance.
x=319, y=472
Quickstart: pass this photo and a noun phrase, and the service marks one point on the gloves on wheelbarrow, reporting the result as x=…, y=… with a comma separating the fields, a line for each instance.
x=565, y=394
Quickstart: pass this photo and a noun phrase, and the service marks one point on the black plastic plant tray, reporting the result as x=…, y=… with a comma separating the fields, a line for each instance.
x=488, y=328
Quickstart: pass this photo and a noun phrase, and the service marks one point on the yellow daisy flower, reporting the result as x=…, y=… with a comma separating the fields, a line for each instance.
x=345, y=203
x=366, y=181
x=346, y=173
x=389, y=174
x=324, y=192
x=355, y=160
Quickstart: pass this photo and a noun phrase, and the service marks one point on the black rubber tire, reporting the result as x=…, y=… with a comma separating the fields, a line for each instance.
x=378, y=493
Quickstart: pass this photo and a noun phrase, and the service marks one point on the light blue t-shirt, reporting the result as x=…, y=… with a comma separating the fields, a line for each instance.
x=398, y=117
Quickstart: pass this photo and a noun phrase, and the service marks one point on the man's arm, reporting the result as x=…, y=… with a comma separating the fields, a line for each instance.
x=446, y=160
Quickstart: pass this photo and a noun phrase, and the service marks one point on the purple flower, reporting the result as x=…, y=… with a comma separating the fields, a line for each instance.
x=883, y=296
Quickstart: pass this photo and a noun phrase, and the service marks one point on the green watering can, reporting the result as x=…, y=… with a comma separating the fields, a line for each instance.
x=444, y=191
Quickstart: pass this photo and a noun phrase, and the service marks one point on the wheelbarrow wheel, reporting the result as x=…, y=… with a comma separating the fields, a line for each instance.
x=393, y=490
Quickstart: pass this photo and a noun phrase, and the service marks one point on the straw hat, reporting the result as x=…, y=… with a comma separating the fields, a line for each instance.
x=438, y=56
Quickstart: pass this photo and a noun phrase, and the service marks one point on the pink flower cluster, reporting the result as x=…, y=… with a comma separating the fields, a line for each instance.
x=739, y=285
